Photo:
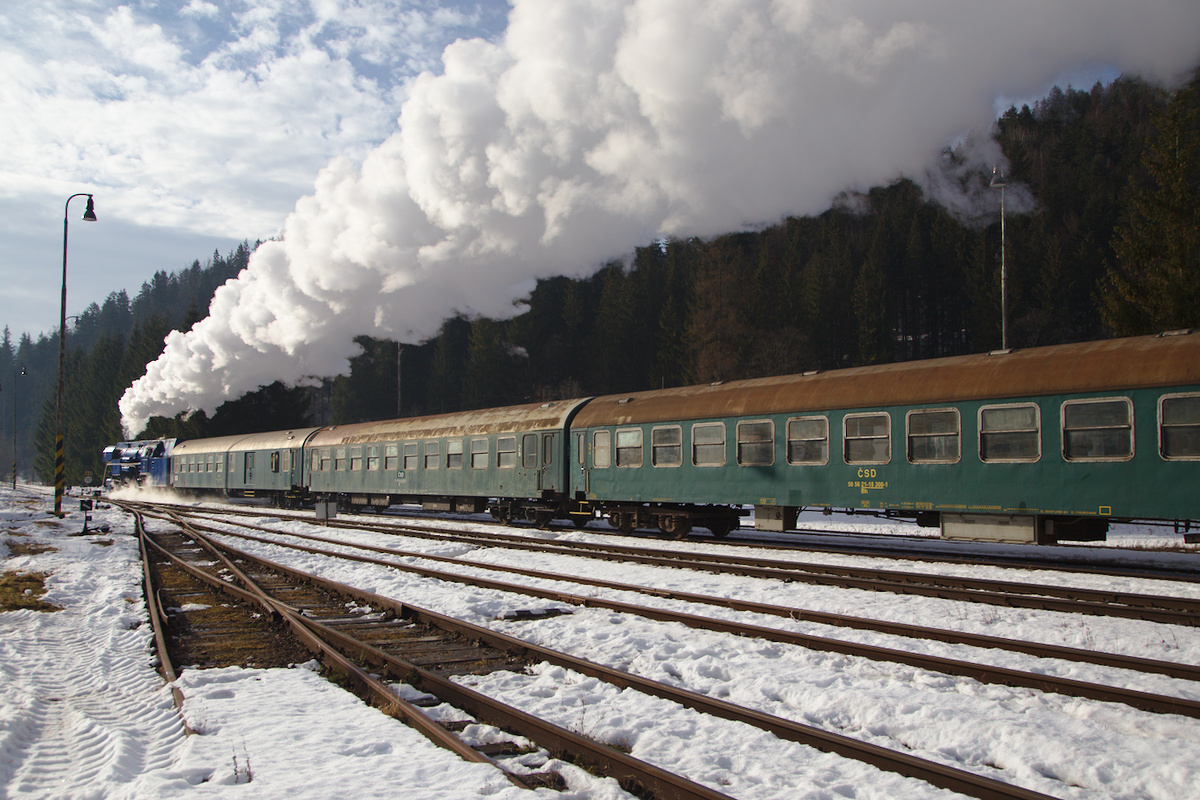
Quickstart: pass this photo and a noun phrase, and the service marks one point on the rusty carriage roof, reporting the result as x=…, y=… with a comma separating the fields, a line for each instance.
x=270, y=440
x=1111, y=365
x=511, y=419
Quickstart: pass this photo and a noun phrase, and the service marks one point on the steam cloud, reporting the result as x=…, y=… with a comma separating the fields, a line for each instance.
x=595, y=127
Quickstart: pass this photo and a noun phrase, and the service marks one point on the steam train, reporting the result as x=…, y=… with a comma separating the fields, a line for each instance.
x=1035, y=445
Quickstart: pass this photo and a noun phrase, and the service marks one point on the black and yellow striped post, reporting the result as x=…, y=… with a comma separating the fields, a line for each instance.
x=60, y=472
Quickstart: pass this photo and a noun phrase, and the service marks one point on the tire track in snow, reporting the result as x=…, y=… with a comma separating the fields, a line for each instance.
x=95, y=711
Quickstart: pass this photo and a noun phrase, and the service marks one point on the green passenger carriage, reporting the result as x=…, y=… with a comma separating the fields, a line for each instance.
x=1028, y=445
x=199, y=465
x=269, y=465
x=245, y=465
x=450, y=462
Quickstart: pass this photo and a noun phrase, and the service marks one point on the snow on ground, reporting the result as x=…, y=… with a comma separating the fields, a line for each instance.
x=261, y=733
x=84, y=714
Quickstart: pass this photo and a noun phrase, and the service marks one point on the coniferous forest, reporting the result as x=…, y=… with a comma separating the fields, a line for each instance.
x=1110, y=247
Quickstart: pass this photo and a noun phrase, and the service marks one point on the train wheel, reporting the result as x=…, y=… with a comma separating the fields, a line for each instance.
x=580, y=522
x=720, y=529
x=542, y=519
x=622, y=522
x=677, y=527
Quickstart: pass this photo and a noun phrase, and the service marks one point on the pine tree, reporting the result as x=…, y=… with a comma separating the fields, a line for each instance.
x=1154, y=282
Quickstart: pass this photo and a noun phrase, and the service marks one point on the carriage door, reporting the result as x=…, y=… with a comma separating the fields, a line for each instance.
x=550, y=477
x=249, y=468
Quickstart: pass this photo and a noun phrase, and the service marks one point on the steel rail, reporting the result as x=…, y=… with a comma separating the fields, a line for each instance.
x=629, y=771
x=1035, y=560
x=941, y=775
x=394, y=705
x=985, y=674
x=1173, y=669
x=1151, y=608
x=875, y=551
x=158, y=621
x=889, y=580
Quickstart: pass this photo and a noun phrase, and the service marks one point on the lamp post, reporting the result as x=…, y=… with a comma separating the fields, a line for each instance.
x=999, y=183
x=60, y=479
x=14, y=402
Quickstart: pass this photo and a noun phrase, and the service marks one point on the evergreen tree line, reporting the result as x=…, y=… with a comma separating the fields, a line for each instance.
x=1111, y=248
x=107, y=348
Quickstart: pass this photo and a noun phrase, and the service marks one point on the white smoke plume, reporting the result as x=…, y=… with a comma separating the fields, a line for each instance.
x=594, y=127
x=962, y=183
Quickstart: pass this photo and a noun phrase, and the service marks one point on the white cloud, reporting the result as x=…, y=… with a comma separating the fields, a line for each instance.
x=199, y=8
x=211, y=129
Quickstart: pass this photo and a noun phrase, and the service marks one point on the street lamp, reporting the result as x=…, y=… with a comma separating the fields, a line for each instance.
x=14, y=402
x=60, y=478
x=998, y=183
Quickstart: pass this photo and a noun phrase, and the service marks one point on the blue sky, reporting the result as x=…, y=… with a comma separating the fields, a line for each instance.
x=195, y=124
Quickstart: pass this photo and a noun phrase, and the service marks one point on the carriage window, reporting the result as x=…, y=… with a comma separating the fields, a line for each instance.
x=933, y=436
x=412, y=457
x=275, y=461
x=629, y=447
x=339, y=460
x=602, y=449
x=506, y=452
x=867, y=438
x=326, y=459
x=529, y=451
x=1179, y=434
x=579, y=440
x=356, y=459
x=316, y=461
x=1010, y=433
x=373, y=458
x=479, y=453
x=285, y=462
x=708, y=444
x=548, y=448
x=1097, y=430
x=808, y=440
x=756, y=443
x=454, y=454
x=433, y=454
x=666, y=446
x=391, y=457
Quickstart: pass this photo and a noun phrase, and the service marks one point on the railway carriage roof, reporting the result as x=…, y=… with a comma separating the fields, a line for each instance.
x=512, y=419
x=1107, y=366
x=271, y=440
x=217, y=444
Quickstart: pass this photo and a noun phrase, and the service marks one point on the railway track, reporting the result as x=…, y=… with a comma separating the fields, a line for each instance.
x=369, y=633
x=1009, y=594
x=1084, y=560
x=917, y=549
x=234, y=562
x=984, y=673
